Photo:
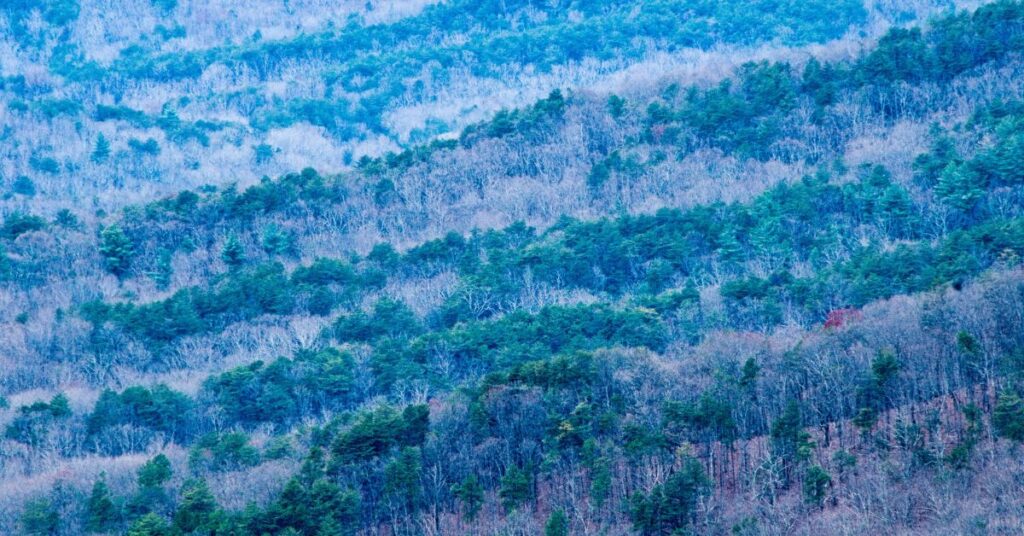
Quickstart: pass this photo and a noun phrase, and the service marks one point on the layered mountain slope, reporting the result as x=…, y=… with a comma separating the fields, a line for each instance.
x=150, y=97
x=788, y=301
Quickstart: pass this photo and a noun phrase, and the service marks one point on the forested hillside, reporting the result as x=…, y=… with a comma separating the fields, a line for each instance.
x=592, y=267
x=148, y=97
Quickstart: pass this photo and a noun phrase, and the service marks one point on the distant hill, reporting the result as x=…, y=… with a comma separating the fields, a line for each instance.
x=689, y=268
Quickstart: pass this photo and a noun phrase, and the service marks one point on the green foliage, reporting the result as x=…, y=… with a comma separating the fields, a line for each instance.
x=102, y=515
x=743, y=117
x=816, y=484
x=966, y=343
x=40, y=518
x=33, y=422
x=276, y=241
x=389, y=318
x=616, y=106
x=117, y=249
x=44, y=164
x=709, y=418
x=376, y=432
x=155, y=472
x=539, y=379
x=749, y=373
x=101, y=152
x=163, y=271
x=601, y=172
x=58, y=406
x=121, y=113
x=229, y=451
x=557, y=525
x=278, y=447
x=516, y=488
x=525, y=122
x=149, y=147
x=260, y=393
x=557, y=372
x=67, y=219
x=402, y=477
x=24, y=186
x=902, y=54
x=671, y=506
x=520, y=336
x=959, y=457
x=166, y=5
x=930, y=165
x=471, y=494
x=54, y=12
x=147, y=500
x=601, y=481
x=1008, y=416
x=639, y=441
x=196, y=507
x=789, y=441
x=233, y=253
x=19, y=223
x=311, y=509
x=884, y=368
x=263, y=153
x=960, y=187
x=150, y=525
x=244, y=294
x=789, y=225
x=159, y=408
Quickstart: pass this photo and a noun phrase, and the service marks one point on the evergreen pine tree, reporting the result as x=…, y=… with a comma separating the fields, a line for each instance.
x=600, y=481
x=515, y=488
x=1008, y=416
x=402, y=477
x=233, y=253
x=102, y=150
x=929, y=165
x=789, y=441
x=276, y=241
x=196, y=507
x=816, y=484
x=151, y=494
x=748, y=376
x=101, y=512
x=150, y=525
x=557, y=525
x=730, y=250
x=331, y=506
x=116, y=249
x=471, y=493
x=671, y=507
x=155, y=472
x=897, y=211
x=329, y=527
x=960, y=187
x=40, y=518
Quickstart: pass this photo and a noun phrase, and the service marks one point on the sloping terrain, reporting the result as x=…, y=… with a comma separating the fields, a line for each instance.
x=784, y=297
x=150, y=97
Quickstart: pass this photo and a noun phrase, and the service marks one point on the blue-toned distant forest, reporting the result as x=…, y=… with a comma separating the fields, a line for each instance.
x=785, y=299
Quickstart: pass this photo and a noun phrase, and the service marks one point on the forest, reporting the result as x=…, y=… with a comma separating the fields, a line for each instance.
x=573, y=267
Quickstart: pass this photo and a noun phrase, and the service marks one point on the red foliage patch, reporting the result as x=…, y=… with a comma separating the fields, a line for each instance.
x=838, y=318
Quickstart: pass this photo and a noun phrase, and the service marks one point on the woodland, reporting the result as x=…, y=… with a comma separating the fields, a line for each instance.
x=517, y=267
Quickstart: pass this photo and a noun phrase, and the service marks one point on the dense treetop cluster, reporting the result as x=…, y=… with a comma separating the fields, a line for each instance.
x=788, y=357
